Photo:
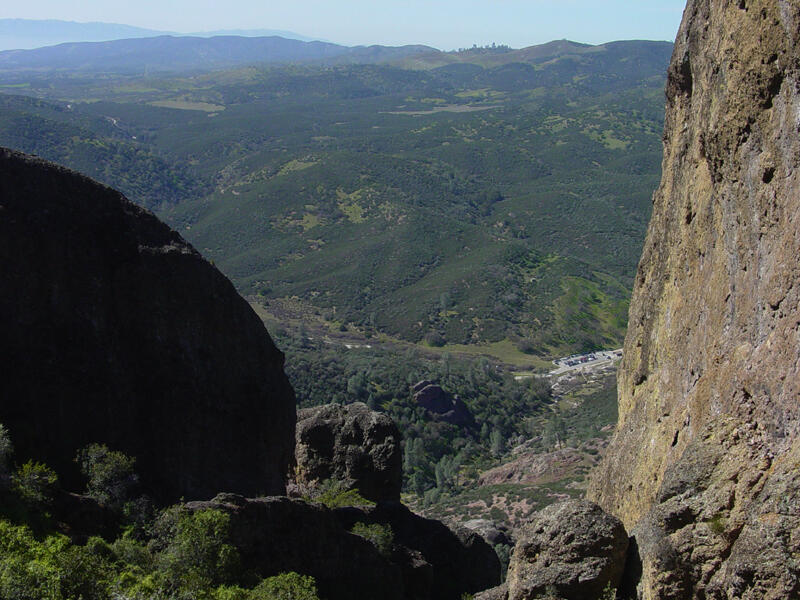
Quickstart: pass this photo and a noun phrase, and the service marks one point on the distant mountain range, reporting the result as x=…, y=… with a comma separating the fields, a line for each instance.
x=27, y=34
x=170, y=54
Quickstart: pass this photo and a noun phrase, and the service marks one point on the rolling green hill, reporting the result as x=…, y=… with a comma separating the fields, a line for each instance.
x=474, y=202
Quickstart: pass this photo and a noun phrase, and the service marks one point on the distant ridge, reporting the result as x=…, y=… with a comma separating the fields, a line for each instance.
x=170, y=53
x=173, y=53
x=495, y=57
x=27, y=34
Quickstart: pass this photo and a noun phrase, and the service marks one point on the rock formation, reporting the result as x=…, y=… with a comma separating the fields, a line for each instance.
x=351, y=444
x=493, y=533
x=571, y=550
x=704, y=466
x=461, y=561
x=441, y=405
x=278, y=535
x=115, y=330
x=427, y=561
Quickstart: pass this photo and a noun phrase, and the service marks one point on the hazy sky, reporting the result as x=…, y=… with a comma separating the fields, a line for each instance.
x=446, y=24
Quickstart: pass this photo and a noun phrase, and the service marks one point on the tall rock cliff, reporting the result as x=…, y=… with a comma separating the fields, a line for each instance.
x=705, y=464
x=113, y=329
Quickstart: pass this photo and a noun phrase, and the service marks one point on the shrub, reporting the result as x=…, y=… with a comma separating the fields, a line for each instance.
x=111, y=475
x=82, y=573
x=52, y=568
x=527, y=346
x=286, y=586
x=435, y=339
x=199, y=555
x=381, y=536
x=231, y=592
x=718, y=524
x=35, y=482
x=335, y=494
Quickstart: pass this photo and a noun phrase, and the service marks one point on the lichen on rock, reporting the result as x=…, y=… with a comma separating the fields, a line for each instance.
x=703, y=465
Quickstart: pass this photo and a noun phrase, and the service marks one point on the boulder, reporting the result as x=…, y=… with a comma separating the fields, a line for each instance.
x=493, y=533
x=116, y=331
x=497, y=593
x=573, y=549
x=351, y=444
x=461, y=560
x=441, y=405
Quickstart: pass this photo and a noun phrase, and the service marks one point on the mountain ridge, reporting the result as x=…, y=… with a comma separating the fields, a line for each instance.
x=29, y=34
x=170, y=53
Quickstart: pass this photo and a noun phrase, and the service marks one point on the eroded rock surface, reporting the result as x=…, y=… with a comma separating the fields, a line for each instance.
x=115, y=330
x=350, y=444
x=704, y=464
x=572, y=549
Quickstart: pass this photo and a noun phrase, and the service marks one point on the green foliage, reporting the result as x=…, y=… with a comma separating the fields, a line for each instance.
x=6, y=450
x=94, y=146
x=182, y=555
x=35, y=482
x=435, y=453
x=503, y=552
x=435, y=339
x=231, y=592
x=718, y=524
x=199, y=554
x=110, y=474
x=51, y=569
x=286, y=586
x=335, y=494
x=381, y=536
x=609, y=592
x=515, y=211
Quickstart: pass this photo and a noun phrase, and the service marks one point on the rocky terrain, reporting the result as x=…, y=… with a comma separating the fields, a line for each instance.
x=703, y=468
x=115, y=330
x=423, y=560
x=352, y=445
x=118, y=332
x=569, y=551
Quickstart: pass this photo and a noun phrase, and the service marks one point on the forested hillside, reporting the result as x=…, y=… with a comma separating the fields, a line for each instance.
x=482, y=201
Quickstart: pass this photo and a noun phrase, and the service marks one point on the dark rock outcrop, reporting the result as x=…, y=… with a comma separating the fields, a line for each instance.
x=493, y=533
x=461, y=561
x=351, y=444
x=703, y=467
x=427, y=560
x=441, y=405
x=277, y=534
x=115, y=330
x=573, y=549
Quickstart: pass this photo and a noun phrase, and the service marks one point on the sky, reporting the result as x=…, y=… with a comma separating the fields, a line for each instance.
x=444, y=24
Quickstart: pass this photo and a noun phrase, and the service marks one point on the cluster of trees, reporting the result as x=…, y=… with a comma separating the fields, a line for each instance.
x=438, y=456
x=170, y=554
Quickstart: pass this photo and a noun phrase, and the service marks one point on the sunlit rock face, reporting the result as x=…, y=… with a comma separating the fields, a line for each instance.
x=705, y=464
